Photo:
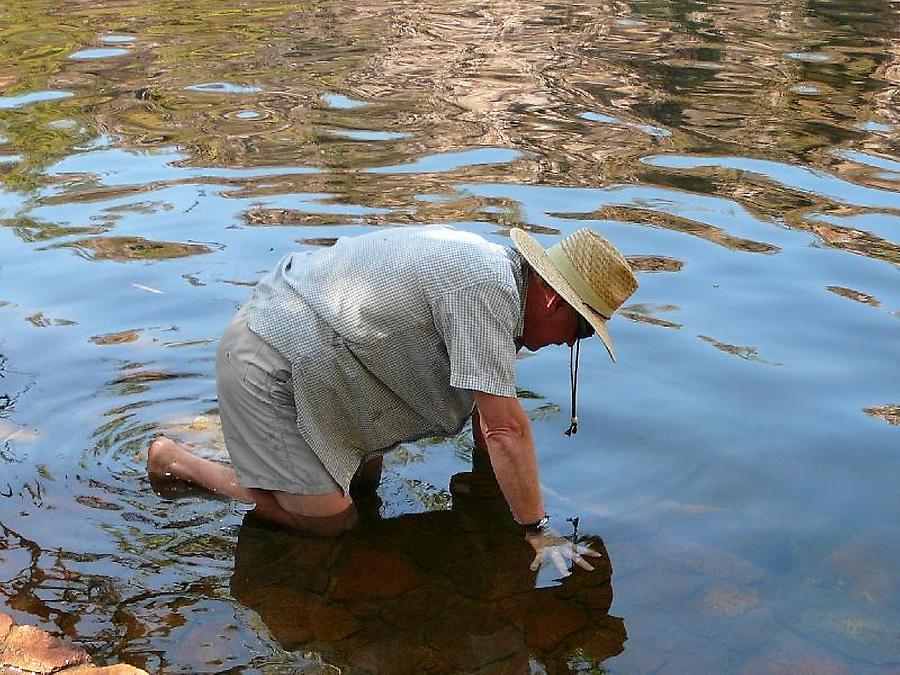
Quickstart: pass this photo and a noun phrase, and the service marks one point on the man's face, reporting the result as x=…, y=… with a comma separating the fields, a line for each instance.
x=549, y=320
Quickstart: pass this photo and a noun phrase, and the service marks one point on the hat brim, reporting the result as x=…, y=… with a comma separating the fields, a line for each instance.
x=540, y=262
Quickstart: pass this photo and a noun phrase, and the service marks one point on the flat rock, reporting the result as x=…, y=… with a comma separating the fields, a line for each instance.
x=863, y=566
x=419, y=606
x=857, y=630
x=296, y=617
x=33, y=649
x=544, y=619
x=469, y=636
x=371, y=574
x=6, y=623
x=789, y=655
x=729, y=602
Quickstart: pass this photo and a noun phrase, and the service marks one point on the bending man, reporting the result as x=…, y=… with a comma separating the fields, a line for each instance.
x=345, y=352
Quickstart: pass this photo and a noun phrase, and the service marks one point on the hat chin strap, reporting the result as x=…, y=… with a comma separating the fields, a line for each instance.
x=574, y=354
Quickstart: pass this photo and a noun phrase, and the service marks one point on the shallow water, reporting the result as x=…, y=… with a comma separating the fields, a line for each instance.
x=739, y=462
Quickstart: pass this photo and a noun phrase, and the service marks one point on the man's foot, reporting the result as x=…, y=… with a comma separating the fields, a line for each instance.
x=161, y=457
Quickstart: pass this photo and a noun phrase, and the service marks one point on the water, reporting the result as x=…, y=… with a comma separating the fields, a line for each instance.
x=739, y=462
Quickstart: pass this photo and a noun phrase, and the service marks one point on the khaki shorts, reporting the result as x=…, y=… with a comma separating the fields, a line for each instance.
x=259, y=420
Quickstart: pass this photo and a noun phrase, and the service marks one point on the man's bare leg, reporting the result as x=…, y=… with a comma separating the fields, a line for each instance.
x=328, y=514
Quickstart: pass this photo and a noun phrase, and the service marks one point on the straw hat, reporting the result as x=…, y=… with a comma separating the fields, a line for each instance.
x=586, y=270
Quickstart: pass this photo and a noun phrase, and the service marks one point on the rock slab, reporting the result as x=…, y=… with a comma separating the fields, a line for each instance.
x=32, y=649
x=26, y=649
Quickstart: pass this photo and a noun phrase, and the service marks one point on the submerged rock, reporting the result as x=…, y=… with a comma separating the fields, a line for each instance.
x=27, y=649
x=862, y=565
x=729, y=602
x=37, y=651
x=440, y=592
x=857, y=630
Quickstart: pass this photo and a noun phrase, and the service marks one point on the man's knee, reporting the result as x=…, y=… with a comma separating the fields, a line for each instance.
x=326, y=515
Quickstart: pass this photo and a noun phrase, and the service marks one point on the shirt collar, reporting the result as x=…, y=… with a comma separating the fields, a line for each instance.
x=520, y=272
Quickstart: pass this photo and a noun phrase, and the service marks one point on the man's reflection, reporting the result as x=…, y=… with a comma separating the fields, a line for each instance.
x=440, y=591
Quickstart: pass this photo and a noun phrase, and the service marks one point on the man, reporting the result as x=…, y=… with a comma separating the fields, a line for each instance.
x=400, y=334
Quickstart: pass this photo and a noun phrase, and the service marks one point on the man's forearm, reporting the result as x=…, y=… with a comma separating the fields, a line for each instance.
x=515, y=466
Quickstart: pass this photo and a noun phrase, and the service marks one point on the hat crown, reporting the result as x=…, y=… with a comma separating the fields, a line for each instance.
x=601, y=269
x=586, y=270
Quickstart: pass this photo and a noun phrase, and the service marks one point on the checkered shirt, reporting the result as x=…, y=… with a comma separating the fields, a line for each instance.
x=389, y=334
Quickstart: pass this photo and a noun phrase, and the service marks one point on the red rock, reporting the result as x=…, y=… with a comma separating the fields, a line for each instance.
x=516, y=610
x=598, y=599
x=729, y=602
x=550, y=621
x=33, y=649
x=419, y=606
x=545, y=619
x=371, y=574
x=374, y=650
x=469, y=636
x=517, y=664
x=593, y=643
x=6, y=622
x=863, y=566
x=365, y=609
x=485, y=574
x=581, y=652
x=789, y=655
x=296, y=617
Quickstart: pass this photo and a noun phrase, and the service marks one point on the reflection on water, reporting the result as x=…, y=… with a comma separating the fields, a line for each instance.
x=738, y=462
x=441, y=591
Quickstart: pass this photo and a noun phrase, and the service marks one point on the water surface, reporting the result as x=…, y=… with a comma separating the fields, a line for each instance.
x=737, y=466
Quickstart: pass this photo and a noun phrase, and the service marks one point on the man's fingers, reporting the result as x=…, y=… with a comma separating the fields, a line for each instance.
x=558, y=560
x=561, y=552
x=581, y=549
x=582, y=563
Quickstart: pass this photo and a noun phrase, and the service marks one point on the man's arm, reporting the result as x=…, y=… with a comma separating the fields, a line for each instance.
x=506, y=432
x=504, y=428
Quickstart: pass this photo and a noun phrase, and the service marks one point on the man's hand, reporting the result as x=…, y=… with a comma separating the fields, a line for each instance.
x=548, y=543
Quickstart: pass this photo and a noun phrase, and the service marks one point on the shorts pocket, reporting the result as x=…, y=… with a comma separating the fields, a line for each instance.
x=268, y=387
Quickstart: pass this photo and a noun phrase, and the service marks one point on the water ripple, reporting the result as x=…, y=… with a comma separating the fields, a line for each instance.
x=118, y=167
x=224, y=88
x=802, y=179
x=21, y=100
x=342, y=102
x=450, y=161
x=648, y=129
x=98, y=53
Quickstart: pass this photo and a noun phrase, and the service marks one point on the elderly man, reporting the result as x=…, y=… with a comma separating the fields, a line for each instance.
x=343, y=353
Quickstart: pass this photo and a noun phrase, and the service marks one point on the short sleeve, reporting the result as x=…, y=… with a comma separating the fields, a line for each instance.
x=478, y=325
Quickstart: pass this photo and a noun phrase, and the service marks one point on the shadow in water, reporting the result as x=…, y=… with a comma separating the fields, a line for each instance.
x=442, y=591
